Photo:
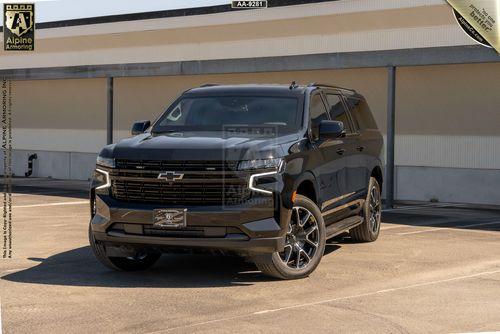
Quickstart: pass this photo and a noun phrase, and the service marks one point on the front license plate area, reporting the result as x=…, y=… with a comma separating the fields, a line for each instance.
x=169, y=218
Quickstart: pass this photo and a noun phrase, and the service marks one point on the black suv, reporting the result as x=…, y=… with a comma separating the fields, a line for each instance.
x=268, y=172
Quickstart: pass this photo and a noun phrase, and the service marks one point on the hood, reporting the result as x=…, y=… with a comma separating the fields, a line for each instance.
x=199, y=146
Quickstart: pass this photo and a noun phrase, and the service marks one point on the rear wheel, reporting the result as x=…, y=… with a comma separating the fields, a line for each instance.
x=304, y=243
x=372, y=212
x=140, y=261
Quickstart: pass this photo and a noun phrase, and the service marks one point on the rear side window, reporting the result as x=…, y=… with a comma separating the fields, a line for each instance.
x=338, y=112
x=317, y=113
x=361, y=113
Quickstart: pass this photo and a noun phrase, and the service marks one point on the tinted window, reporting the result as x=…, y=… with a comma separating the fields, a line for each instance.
x=215, y=112
x=337, y=111
x=318, y=113
x=361, y=113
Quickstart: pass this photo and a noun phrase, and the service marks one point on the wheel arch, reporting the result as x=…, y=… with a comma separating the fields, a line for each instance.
x=306, y=185
x=377, y=174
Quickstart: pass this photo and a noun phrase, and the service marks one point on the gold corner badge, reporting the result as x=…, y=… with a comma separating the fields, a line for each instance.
x=19, y=27
x=479, y=19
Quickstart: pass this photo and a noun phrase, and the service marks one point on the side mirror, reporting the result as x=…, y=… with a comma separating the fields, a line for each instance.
x=140, y=127
x=331, y=129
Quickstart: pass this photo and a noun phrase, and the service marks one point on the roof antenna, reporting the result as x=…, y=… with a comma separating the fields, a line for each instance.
x=293, y=85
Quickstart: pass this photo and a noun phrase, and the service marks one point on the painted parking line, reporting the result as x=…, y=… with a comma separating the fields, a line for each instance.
x=416, y=207
x=384, y=228
x=424, y=206
x=449, y=228
x=48, y=192
x=50, y=204
x=410, y=207
x=326, y=301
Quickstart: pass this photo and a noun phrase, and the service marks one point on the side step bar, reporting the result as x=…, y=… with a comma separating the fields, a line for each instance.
x=344, y=225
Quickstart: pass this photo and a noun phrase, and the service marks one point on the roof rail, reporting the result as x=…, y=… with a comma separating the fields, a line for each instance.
x=331, y=86
x=209, y=85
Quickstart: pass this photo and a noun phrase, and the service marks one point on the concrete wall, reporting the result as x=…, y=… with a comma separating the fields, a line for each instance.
x=451, y=185
x=147, y=98
x=447, y=116
x=337, y=26
x=448, y=142
x=63, y=122
x=53, y=164
x=446, y=145
x=59, y=115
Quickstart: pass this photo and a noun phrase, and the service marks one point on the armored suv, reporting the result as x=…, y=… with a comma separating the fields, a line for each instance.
x=268, y=172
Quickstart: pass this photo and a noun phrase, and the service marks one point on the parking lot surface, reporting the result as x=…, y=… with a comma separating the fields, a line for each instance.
x=433, y=270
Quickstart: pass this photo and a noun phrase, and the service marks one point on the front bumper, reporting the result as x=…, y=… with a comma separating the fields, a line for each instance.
x=251, y=227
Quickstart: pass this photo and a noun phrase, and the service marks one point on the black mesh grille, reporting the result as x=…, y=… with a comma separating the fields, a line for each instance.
x=203, y=182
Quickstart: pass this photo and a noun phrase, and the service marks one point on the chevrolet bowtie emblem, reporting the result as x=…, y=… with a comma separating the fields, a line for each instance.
x=170, y=176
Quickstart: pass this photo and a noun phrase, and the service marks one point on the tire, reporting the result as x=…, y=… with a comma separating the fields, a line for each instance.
x=369, y=230
x=136, y=263
x=312, y=229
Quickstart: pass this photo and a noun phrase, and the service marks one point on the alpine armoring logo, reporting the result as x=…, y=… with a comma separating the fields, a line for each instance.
x=19, y=27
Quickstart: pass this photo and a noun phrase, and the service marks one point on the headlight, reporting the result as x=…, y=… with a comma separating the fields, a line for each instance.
x=275, y=163
x=101, y=179
x=106, y=162
x=255, y=177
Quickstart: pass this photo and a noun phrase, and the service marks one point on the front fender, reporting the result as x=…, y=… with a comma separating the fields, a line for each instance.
x=292, y=183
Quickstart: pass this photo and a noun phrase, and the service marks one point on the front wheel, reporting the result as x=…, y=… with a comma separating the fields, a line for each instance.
x=141, y=261
x=304, y=243
x=372, y=211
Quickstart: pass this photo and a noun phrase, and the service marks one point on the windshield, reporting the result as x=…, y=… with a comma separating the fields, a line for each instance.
x=215, y=113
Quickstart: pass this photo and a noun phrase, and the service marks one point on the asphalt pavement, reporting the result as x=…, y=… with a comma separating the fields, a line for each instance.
x=434, y=269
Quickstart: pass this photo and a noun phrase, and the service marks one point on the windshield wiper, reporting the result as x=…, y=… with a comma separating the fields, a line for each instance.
x=164, y=131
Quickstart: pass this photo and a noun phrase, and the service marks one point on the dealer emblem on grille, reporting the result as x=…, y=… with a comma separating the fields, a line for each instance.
x=170, y=176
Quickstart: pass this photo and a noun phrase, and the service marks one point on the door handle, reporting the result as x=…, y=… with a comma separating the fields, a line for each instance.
x=360, y=148
x=340, y=151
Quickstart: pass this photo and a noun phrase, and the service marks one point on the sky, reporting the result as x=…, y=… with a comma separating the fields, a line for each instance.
x=56, y=10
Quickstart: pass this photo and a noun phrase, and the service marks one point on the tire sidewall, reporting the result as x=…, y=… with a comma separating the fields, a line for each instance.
x=290, y=273
x=373, y=183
